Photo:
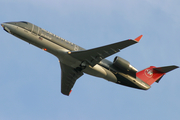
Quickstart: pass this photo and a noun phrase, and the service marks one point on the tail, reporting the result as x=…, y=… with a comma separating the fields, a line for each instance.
x=154, y=74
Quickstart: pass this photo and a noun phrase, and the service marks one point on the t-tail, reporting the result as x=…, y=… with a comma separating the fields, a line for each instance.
x=154, y=74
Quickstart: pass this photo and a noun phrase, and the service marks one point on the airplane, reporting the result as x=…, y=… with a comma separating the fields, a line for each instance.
x=75, y=60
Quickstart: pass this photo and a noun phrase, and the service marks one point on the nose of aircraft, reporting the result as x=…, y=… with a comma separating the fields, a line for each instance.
x=2, y=25
x=6, y=23
x=5, y=27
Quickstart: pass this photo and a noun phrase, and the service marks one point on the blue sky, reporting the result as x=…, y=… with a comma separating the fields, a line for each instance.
x=30, y=77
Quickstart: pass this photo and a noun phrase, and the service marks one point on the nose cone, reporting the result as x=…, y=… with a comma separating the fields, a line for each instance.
x=7, y=23
x=2, y=25
x=6, y=27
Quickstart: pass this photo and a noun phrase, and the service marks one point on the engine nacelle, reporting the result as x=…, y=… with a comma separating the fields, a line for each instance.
x=124, y=65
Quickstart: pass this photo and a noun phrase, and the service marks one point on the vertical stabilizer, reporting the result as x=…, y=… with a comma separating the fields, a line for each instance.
x=154, y=74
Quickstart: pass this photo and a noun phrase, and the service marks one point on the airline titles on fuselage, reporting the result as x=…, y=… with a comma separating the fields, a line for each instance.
x=49, y=35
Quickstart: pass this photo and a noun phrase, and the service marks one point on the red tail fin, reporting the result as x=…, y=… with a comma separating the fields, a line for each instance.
x=154, y=74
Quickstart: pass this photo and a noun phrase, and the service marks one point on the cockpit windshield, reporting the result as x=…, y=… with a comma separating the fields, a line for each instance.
x=25, y=25
x=24, y=22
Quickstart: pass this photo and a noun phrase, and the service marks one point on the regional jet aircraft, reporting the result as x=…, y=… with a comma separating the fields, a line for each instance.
x=75, y=60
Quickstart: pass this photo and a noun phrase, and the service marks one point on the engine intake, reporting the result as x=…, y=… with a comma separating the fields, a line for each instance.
x=125, y=66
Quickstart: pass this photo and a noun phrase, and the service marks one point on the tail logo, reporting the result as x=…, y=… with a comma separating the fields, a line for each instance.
x=148, y=73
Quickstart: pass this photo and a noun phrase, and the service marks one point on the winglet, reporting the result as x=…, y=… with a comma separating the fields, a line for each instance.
x=70, y=92
x=138, y=38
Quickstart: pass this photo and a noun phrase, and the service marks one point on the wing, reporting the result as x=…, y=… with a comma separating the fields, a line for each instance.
x=69, y=76
x=94, y=56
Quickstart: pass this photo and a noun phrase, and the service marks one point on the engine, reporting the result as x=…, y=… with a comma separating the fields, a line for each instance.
x=124, y=66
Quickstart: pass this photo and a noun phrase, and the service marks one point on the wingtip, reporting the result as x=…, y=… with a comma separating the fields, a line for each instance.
x=138, y=38
x=70, y=92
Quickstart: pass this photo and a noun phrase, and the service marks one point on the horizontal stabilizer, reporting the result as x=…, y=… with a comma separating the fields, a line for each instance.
x=166, y=69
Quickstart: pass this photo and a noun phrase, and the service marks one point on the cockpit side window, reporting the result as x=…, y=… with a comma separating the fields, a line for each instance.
x=25, y=25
